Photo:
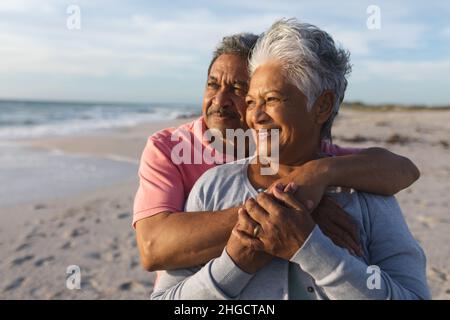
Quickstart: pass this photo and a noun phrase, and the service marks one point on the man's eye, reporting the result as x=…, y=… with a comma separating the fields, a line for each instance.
x=243, y=89
x=213, y=85
x=240, y=91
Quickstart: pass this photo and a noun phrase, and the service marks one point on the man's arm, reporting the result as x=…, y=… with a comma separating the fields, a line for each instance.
x=373, y=170
x=178, y=240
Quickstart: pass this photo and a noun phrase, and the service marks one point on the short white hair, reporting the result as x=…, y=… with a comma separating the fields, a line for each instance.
x=309, y=58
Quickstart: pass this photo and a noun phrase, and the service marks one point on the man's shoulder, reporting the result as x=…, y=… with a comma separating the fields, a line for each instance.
x=166, y=134
x=168, y=137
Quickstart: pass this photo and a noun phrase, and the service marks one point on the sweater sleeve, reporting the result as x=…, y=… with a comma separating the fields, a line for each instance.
x=219, y=279
x=397, y=263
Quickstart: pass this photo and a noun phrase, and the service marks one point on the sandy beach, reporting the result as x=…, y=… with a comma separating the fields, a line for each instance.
x=92, y=229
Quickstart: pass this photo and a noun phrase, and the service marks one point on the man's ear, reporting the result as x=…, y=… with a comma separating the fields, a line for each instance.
x=323, y=107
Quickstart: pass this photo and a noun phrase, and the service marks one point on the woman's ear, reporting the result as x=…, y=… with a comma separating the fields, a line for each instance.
x=324, y=106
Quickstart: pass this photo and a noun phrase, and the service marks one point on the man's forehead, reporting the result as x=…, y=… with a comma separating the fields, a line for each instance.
x=230, y=66
x=235, y=80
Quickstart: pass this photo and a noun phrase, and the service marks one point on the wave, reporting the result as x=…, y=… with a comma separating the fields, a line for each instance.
x=32, y=120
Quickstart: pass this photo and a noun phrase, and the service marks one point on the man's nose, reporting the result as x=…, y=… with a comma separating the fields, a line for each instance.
x=223, y=99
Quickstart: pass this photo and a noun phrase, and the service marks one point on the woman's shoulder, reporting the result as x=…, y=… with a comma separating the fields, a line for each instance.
x=367, y=208
x=223, y=173
x=219, y=184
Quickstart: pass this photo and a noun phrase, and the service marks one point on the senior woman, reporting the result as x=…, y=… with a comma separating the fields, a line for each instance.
x=276, y=251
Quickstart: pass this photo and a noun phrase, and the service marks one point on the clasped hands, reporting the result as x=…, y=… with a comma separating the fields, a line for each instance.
x=276, y=224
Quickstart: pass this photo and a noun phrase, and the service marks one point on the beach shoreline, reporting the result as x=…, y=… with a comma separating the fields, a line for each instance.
x=39, y=240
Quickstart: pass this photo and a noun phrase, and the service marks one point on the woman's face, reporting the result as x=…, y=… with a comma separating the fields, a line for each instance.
x=274, y=103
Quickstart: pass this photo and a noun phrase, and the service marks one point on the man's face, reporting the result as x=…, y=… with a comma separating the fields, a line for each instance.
x=224, y=98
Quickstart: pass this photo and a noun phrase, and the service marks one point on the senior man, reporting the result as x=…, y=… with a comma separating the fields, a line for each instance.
x=276, y=250
x=169, y=239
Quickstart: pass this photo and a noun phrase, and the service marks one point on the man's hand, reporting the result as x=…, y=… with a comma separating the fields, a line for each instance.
x=246, y=257
x=334, y=222
x=310, y=179
x=337, y=225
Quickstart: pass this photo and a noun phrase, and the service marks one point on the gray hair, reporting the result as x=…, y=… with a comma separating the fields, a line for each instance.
x=239, y=44
x=309, y=58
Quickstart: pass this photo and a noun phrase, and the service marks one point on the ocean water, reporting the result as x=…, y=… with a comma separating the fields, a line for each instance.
x=33, y=119
x=30, y=175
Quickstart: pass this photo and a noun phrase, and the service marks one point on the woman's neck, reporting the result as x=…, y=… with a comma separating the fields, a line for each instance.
x=258, y=180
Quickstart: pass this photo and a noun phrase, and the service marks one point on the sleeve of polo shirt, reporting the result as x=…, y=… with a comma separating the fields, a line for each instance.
x=336, y=150
x=161, y=185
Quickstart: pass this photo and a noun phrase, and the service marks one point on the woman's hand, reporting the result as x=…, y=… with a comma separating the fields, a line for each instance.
x=244, y=254
x=285, y=224
x=283, y=228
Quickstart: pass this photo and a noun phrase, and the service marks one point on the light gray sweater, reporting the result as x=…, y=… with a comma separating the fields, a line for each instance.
x=322, y=269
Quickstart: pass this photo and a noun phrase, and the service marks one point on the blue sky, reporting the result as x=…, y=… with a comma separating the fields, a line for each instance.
x=158, y=51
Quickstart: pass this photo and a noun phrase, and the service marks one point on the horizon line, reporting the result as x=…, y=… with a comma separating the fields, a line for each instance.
x=349, y=103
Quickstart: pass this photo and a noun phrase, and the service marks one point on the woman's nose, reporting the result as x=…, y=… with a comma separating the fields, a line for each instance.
x=259, y=114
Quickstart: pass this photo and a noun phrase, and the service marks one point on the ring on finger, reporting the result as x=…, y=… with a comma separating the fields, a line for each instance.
x=256, y=231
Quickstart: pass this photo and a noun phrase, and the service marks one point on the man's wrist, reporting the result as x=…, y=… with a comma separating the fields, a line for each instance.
x=232, y=217
x=321, y=170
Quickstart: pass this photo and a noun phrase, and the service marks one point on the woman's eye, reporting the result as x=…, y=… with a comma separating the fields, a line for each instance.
x=250, y=103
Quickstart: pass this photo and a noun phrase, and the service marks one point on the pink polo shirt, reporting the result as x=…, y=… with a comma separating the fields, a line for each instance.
x=167, y=173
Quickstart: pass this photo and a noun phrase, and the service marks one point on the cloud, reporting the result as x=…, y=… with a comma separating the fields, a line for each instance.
x=23, y=6
x=365, y=42
x=135, y=45
x=446, y=32
x=128, y=41
x=23, y=54
x=402, y=71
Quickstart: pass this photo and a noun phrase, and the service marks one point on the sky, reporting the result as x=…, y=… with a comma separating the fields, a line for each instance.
x=159, y=51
